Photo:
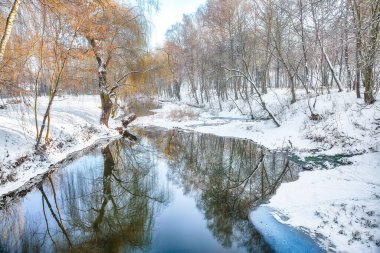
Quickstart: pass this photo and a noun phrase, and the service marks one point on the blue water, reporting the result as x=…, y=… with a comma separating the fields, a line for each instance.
x=167, y=192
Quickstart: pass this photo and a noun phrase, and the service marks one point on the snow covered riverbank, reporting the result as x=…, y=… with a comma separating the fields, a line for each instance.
x=74, y=126
x=347, y=126
x=338, y=207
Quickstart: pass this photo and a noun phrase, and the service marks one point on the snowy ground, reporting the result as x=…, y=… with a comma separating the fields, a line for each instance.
x=340, y=207
x=75, y=125
x=347, y=126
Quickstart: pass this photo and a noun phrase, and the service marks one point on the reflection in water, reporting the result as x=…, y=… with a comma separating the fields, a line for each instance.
x=107, y=207
x=109, y=201
x=227, y=177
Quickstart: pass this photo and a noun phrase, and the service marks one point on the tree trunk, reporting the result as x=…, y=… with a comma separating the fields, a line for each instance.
x=346, y=50
x=47, y=112
x=303, y=42
x=329, y=64
x=292, y=89
x=107, y=104
x=346, y=59
x=325, y=56
x=370, y=59
x=368, y=85
x=277, y=82
x=104, y=94
x=8, y=28
x=357, y=56
x=268, y=55
x=105, y=97
x=51, y=99
x=356, y=13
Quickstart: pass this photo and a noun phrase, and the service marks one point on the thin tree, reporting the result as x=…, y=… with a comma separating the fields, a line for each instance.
x=8, y=28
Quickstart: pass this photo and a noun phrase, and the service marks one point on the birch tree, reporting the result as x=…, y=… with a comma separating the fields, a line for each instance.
x=8, y=27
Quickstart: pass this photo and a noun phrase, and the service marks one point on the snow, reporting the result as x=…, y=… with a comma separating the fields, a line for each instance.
x=74, y=126
x=342, y=204
x=340, y=208
x=347, y=126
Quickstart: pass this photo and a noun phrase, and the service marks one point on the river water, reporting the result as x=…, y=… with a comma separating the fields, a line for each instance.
x=170, y=191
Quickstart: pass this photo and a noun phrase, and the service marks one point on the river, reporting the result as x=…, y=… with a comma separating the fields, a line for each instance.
x=169, y=191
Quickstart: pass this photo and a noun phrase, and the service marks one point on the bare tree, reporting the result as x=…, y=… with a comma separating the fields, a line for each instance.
x=8, y=28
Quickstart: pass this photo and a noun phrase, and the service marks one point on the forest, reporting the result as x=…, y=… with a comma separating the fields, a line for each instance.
x=227, y=50
x=300, y=77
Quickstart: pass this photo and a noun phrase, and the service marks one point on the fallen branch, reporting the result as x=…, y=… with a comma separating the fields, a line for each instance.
x=128, y=119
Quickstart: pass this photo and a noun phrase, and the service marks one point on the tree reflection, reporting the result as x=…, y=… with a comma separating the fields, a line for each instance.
x=228, y=177
x=107, y=208
x=108, y=202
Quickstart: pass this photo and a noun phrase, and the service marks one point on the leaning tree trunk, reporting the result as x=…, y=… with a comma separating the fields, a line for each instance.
x=8, y=28
x=53, y=93
x=329, y=64
x=324, y=54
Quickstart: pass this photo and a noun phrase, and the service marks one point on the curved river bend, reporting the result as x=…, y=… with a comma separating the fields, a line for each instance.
x=170, y=191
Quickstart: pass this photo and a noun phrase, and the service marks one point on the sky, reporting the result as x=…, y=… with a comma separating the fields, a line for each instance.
x=170, y=12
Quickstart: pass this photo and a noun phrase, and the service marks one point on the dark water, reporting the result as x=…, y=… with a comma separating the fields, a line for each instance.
x=168, y=192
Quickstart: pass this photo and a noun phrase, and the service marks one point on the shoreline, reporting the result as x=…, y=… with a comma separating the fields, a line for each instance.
x=25, y=188
x=320, y=188
x=311, y=203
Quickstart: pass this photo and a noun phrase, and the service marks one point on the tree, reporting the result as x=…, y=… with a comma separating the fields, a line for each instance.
x=113, y=31
x=367, y=27
x=62, y=44
x=369, y=54
x=8, y=28
x=323, y=50
x=248, y=77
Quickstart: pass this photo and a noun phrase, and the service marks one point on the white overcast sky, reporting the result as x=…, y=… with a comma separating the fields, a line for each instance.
x=170, y=12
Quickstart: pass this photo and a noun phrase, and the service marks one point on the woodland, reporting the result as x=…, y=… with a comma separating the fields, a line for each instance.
x=228, y=50
x=300, y=77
